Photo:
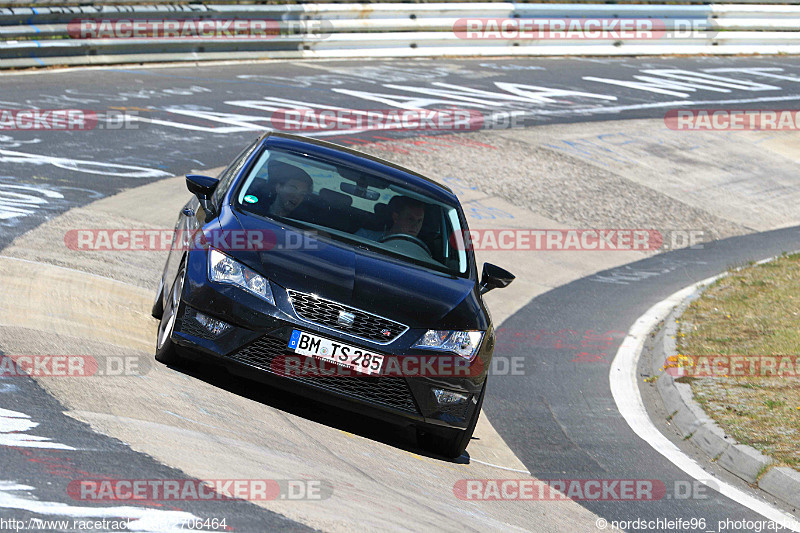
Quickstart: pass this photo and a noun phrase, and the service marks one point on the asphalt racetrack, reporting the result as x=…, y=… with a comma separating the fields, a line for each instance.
x=556, y=143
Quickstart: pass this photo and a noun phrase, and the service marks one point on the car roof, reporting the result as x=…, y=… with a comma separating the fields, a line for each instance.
x=328, y=150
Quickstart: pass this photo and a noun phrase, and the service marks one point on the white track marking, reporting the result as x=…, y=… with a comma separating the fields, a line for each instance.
x=141, y=518
x=79, y=165
x=237, y=122
x=656, y=105
x=501, y=467
x=672, y=81
x=625, y=389
x=13, y=428
x=14, y=204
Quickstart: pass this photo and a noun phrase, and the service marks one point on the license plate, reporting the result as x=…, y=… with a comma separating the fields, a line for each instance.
x=352, y=357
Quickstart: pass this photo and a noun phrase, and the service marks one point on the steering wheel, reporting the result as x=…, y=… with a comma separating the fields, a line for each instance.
x=409, y=238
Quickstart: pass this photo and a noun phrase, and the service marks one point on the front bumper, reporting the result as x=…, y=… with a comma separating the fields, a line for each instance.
x=258, y=338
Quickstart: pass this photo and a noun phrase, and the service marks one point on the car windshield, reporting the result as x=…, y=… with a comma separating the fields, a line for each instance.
x=352, y=206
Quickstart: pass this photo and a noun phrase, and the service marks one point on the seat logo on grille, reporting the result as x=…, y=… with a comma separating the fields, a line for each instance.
x=346, y=319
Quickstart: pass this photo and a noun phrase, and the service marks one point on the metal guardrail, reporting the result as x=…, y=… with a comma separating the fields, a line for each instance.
x=41, y=36
x=62, y=3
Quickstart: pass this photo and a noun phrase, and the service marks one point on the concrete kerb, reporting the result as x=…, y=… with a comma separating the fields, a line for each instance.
x=695, y=425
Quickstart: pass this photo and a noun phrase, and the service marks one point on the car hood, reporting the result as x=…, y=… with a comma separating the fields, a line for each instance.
x=360, y=278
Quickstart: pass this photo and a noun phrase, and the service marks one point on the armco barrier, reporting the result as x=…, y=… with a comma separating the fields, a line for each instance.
x=40, y=36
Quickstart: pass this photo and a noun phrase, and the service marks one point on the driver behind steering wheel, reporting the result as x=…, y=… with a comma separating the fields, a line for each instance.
x=407, y=215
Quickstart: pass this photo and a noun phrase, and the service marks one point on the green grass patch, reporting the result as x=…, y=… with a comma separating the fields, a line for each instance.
x=750, y=313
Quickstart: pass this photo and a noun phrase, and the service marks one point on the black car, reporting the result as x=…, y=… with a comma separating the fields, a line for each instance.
x=336, y=275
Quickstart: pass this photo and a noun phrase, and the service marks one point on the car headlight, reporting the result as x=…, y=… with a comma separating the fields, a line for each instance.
x=463, y=343
x=224, y=269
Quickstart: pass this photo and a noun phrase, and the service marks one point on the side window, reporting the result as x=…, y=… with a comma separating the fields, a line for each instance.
x=229, y=173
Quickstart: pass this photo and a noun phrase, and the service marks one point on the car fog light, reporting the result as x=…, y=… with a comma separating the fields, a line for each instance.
x=448, y=397
x=214, y=326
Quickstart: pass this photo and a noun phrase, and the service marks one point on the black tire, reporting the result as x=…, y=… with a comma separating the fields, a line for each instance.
x=453, y=443
x=166, y=351
x=158, y=305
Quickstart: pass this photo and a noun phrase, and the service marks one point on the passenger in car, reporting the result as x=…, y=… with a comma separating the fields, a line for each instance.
x=288, y=187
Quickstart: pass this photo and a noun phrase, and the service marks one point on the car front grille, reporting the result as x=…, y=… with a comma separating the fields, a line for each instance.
x=389, y=391
x=327, y=313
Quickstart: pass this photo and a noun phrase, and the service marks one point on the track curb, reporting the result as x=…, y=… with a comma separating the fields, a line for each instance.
x=696, y=426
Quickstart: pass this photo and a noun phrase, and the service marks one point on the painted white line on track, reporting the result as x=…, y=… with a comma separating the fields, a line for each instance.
x=625, y=390
x=82, y=165
x=656, y=105
x=13, y=432
x=136, y=518
x=501, y=467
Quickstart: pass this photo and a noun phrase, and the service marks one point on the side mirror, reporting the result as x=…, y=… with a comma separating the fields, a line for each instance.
x=202, y=187
x=494, y=277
